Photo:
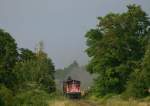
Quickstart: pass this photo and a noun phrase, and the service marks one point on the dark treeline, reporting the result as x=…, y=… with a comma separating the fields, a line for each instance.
x=119, y=48
x=25, y=76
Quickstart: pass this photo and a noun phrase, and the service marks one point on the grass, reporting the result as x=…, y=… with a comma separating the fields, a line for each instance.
x=118, y=101
x=109, y=100
x=41, y=98
x=115, y=102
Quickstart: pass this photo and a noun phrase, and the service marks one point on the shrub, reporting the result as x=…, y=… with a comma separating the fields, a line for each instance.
x=6, y=96
x=32, y=98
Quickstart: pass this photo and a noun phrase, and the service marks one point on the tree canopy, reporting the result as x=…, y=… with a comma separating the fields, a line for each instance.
x=8, y=51
x=22, y=70
x=116, y=48
x=8, y=58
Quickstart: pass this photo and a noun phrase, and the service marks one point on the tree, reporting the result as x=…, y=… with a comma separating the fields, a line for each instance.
x=8, y=58
x=136, y=86
x=8, y=51
x=146, y=67
x=73, y=65
x=139, y=82
x=6, y=96
x=116, y=48
x=37, y=72
x=26, y=54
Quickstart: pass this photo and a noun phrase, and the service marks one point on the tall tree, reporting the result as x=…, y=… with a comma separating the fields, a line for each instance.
x=8, y=51
x=8, y=58
x=38, y=71
x=116, y=48
x=139, y=84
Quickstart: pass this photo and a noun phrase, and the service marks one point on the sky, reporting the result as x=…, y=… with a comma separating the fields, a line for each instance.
x=60, y=24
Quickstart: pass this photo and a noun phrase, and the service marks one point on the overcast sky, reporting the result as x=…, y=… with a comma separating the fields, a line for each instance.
x=60, y=24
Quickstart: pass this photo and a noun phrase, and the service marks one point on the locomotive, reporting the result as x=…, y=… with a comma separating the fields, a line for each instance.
x=71, y=88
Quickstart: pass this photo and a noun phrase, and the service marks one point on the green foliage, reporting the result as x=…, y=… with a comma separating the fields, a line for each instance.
x=32, y=98
x=8, y=58
x=6, y=96
x=136, y=86
x=117, y=47
x=26, y=54
x=61, y=74
x=8, y=78
x=8, y=51
x=72, y=66
x=39, y=70
x=146, y=67
x=22, y=73
x=139, y=82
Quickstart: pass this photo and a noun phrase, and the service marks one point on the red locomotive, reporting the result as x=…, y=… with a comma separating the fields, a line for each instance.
x=71, y=88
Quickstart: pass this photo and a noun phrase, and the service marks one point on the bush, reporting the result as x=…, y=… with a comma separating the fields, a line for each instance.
x=6, y=96
x=136, y=87
x=32, y=98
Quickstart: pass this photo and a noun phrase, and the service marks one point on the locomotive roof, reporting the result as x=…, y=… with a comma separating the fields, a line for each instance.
x=76, y=81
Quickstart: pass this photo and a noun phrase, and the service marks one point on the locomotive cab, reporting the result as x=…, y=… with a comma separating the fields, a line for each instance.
x=71, y=88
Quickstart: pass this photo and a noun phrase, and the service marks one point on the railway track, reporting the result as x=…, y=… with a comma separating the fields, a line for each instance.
x=85, y=103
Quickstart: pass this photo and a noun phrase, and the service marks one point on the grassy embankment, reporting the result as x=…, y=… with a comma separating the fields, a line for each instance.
x=41, y=98
x=118, y=101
